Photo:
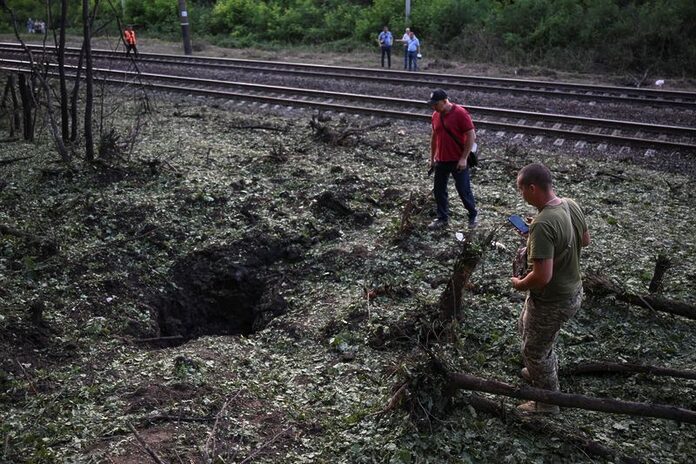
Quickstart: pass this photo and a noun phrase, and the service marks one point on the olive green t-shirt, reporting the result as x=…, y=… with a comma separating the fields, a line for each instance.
x=552, y=236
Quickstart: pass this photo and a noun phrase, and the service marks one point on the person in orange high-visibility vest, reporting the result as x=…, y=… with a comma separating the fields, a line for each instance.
x=129, y=39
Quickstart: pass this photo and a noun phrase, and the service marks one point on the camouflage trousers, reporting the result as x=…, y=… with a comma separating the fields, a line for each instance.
x=539, y=325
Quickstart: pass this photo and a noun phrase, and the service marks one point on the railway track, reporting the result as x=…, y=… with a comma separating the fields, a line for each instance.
x=547, y=89
x=561, y=128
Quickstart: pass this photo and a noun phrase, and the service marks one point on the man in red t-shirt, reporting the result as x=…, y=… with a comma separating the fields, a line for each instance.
x=130, y=40
x=451, y=142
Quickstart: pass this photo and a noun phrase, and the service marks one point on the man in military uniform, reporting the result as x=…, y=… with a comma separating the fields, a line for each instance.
x=555, y=238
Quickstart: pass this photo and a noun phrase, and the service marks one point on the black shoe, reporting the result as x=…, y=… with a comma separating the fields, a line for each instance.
x=437, y=224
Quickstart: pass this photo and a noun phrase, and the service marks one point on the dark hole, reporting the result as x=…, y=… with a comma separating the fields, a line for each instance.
x=213, y=295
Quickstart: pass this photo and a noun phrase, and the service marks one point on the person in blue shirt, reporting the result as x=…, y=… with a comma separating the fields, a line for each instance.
x=413, y=50
x=385, y=40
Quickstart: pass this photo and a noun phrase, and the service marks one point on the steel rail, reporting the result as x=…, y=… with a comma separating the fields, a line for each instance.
x=425, y=116
x=590, y=92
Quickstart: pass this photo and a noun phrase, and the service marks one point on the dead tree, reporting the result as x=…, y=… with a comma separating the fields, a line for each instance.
x=10, y=92
x=75, y=96
x=26, y=94
x=568, y=400
x=60, y=49
x=600, y=285
x=89, y=78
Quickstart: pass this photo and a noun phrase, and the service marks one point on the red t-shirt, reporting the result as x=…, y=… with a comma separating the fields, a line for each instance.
x=459, y=122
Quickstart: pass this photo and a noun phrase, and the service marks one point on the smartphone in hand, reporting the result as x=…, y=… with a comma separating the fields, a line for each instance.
x=519, y=223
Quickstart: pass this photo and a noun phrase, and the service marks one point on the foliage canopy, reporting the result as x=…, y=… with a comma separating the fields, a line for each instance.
x=604, y=35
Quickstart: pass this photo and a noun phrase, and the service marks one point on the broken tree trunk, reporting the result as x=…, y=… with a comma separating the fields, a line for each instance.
x=662, y=265
x=464, y=266
x=600, y=285
x=537, y=424
x=626, y=368
x=568, y=400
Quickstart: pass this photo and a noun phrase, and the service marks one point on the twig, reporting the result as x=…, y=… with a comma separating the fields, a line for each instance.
x=7, y=446
x=157, y=339
x=394, y=401
x=260, y=448
x=211, y=438
x=169, y=417
x=14, y=160
x=144, y=444
x=260, y=127
x=28, y=377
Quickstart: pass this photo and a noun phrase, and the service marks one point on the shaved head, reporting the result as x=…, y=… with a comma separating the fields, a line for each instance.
x=535, y=174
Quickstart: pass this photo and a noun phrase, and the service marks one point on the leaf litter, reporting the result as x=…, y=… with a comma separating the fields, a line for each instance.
x=322, y=226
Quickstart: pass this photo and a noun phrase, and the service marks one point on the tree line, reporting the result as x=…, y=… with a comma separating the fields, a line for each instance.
x=648, y=36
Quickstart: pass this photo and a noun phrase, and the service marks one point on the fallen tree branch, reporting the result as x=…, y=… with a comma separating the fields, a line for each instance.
x=31, y=238
x=265, y=445
x=172, y=418
x=537, y=424
x=144, y=444
x=158, y=339
x=568, y=400
x=210, y=442
x=600, y=285
x=626, y=368
x=5, y=162
x=259, y=127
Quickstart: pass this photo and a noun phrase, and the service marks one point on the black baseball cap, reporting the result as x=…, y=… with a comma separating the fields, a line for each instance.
x=436, y=96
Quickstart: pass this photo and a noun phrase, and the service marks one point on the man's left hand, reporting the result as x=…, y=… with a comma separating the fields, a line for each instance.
x=517, y=284
x=462, y=163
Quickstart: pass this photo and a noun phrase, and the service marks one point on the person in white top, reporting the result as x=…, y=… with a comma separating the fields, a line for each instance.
x=405, y=40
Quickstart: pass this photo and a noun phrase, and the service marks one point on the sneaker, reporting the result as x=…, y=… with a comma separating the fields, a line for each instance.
x=473, y=223
x=524, y=373
x=535, y=407
x=437, y=224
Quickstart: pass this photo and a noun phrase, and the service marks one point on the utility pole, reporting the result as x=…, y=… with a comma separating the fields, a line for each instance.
x=408, y=11
x=185, y=33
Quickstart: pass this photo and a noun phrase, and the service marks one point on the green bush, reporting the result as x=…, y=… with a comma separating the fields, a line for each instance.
x=613, y=35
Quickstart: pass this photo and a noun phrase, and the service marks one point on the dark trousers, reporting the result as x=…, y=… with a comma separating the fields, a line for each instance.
x=462, y=183
x=405, y=58
x=386, y=50
x=130, y=47
x=413, y=61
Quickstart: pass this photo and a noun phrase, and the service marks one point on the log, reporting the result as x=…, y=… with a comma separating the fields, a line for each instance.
x=536, y=424
x=600, y=285
x=626, y=368
x=568, y=400
x=660, y=304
